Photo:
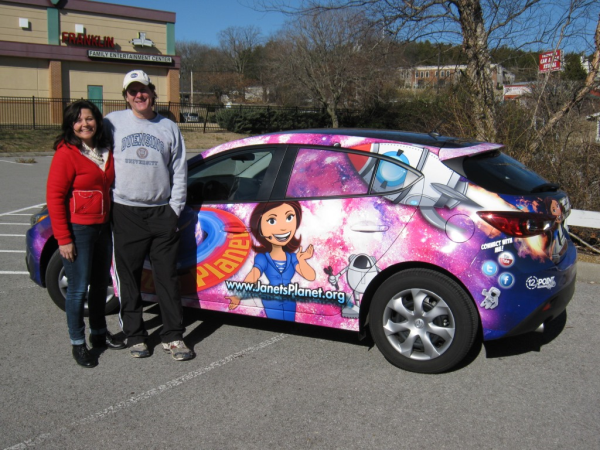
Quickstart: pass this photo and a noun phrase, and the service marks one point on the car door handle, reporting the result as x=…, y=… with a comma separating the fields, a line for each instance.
x=369, y=227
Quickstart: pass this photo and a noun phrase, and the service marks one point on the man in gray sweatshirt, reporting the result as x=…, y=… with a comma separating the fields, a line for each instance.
x=149, y=194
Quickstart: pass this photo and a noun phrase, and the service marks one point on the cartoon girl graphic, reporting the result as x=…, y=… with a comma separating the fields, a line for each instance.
x=553, y=208
x=278, y=254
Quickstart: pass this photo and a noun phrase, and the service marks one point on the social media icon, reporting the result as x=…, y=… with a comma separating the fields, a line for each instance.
x=489, y=268
x=506, y=280
x=506, y=259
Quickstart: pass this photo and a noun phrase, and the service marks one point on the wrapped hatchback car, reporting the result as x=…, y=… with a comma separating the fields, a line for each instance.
x=420, y=240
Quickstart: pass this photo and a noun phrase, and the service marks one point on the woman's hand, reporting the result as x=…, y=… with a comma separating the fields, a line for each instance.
x=303, y=268
x=68, y=251
x=307, y=254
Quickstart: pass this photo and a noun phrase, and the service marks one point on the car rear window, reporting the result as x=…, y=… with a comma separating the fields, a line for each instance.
x=499, y=173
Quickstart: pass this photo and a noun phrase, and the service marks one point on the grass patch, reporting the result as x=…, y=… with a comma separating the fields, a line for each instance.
x=27, y=141
x=25, y=160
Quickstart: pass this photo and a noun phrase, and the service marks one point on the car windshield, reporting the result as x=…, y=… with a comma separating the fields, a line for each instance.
x=498, y=172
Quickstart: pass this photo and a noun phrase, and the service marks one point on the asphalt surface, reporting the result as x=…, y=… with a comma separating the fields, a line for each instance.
x=260, y=384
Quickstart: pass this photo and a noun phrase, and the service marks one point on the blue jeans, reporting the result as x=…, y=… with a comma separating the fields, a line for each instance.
x=93, y=244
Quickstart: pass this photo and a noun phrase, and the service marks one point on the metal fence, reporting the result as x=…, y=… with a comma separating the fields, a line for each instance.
x=47, y=113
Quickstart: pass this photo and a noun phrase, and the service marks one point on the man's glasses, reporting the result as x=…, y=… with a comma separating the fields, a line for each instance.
x=134, y=92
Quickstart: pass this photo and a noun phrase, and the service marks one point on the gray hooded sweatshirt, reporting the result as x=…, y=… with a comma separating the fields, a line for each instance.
x=150, y=161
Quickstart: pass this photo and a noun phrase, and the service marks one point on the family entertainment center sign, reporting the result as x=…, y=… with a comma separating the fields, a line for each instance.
x=130, y=56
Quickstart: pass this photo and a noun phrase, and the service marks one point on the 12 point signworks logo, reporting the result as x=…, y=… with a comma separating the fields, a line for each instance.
x=540, y=283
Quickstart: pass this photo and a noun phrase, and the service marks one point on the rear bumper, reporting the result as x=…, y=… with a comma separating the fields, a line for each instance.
x=547, y=311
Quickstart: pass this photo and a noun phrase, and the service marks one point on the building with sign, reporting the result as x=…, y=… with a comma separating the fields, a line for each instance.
x=421, y=77
x=82, y=49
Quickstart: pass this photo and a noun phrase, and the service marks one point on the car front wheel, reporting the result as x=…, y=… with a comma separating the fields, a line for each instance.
x=423, y=321
x=57, y=283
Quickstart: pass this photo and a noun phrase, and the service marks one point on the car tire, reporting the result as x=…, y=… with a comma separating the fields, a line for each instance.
x=57, y=282
x=423, y=321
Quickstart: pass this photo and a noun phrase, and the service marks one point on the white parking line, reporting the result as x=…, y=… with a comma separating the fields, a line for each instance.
x=8, y=223
x=12, y=251
x=145, y=395
x=8, y=272
x=22, y=209
x=13, y=235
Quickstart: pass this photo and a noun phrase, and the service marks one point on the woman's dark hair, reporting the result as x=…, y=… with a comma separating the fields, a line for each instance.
x=264, y=245
x=71, y=115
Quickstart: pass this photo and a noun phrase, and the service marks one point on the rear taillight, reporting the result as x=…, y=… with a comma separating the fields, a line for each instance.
x=519, y=224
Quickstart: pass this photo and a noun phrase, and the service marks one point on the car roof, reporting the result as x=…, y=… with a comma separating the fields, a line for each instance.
x=432, y=139
x=444, y=146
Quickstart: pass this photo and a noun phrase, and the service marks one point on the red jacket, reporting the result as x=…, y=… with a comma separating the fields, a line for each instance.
x=78, y=191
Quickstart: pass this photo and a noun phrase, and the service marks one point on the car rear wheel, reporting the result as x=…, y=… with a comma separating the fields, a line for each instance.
x=423, y=321
x=57, y=283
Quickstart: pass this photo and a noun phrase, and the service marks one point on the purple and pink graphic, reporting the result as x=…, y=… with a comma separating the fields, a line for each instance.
x=353, y=211
x=344, y=237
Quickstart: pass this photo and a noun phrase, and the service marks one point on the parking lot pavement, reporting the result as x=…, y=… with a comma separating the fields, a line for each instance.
x=588, y=272
x=260, y=384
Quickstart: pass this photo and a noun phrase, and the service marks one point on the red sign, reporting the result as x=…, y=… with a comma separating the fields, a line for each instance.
x=550, y=61
x=87, y=40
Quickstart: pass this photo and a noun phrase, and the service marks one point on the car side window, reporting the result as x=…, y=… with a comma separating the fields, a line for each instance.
x=325, y=173
x=339, y=173
x=234, y=178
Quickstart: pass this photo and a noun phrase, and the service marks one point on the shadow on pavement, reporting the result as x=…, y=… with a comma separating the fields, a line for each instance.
x=525, y=343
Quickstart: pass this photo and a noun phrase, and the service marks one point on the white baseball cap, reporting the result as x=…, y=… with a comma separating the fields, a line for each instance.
x=136, y=76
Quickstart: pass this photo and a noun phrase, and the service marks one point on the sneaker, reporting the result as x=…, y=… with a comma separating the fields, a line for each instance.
x=83, y=357
x=139, y=350
x=178, y=350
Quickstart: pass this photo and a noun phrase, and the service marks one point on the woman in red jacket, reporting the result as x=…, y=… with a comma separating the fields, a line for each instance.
x=78, y=198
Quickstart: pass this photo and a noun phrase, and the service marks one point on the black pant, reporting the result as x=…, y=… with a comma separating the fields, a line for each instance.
x=152, y=231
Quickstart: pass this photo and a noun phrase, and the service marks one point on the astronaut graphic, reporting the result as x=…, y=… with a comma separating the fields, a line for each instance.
x=360, y=271
x=491, y=298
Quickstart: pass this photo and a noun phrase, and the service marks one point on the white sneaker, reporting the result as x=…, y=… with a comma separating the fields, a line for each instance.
x=178, y=350
x=139, y=350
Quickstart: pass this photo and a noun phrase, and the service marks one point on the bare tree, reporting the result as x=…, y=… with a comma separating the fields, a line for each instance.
x=238, y=44
x=192, y=60
x=328, y=54
x=591, y=81
x=478, y=25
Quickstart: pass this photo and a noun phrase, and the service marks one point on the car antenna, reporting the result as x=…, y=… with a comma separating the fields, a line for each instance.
x=434, y=133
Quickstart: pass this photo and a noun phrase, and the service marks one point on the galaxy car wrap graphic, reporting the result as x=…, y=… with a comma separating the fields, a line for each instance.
x=353, y=210
x=427, y=214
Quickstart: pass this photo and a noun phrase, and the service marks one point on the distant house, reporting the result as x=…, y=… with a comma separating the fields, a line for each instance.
x=516, y=90
x=587, y=66
x=421, y=77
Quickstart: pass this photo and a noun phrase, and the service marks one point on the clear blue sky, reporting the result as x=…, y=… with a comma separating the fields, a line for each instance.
x=201, y=20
